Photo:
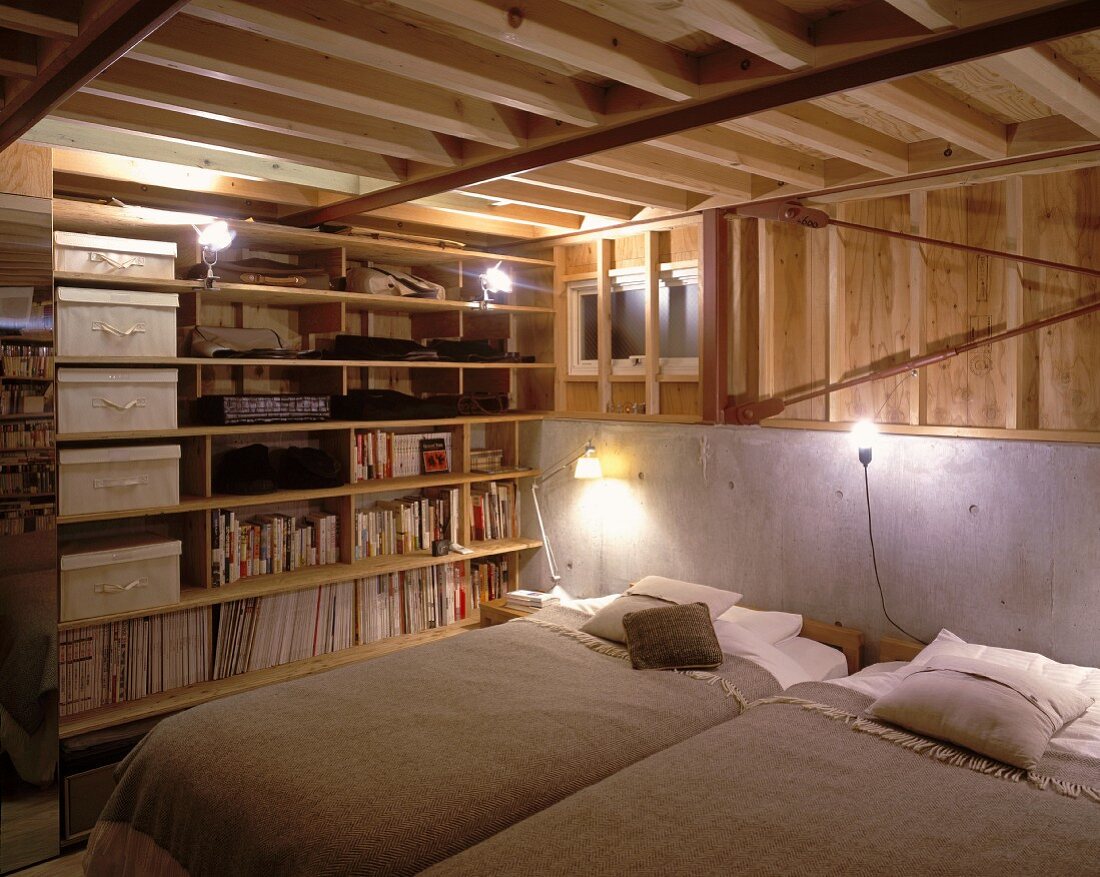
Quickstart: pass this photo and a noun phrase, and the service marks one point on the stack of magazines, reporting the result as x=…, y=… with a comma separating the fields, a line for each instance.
x=530, y=601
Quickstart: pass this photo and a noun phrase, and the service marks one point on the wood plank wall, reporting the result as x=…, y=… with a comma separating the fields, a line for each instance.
x=835, y=303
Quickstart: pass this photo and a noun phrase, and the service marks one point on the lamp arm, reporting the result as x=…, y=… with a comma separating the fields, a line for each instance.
x=564, y=463
x=550, y=562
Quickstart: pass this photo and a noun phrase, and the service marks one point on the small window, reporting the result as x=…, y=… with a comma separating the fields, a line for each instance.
x=584, y=331
x=628, y=305
x=679, y=310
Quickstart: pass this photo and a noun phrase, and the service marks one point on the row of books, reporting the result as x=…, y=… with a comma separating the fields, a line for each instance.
x=261, y=632
x=19, y=518
x=381, y=454
x=23, y=399
x=407, y=524
x=26, y=360
x=105, y=664
x=269, y=544
x=493, y=511
x=31, y=476
x=489, y=579
x=487, y=460
x=412, y=601
x=17, y=435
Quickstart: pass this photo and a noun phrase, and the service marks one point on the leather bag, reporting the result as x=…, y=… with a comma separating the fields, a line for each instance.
x=379, y=281
x=264, y=272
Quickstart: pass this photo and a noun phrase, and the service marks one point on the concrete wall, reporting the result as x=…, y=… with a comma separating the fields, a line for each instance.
x=997, y=541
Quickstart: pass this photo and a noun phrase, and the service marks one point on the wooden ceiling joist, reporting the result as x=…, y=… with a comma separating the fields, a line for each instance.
x=588, y=181
x=104, y=38
x=348, y=32
x=1042, y=73
x=968, y=128
x=41, y=22
x=734, y=149
x=657, y=166
x=18, y=54
x=219, y=53
x=520, y=192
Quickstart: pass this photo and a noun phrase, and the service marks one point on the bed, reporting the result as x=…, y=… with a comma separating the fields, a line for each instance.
x=394, y=764
x=801, y=784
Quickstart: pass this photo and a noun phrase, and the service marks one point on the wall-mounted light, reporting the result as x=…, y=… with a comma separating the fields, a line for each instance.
x=588, y=468
x=863, y=437
x=213, y=238
x=494, y=280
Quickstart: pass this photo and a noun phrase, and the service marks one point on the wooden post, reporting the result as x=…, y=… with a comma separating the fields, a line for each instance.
x=715, y=286
x=652, y=322
x=603, y=296
x=918, y=396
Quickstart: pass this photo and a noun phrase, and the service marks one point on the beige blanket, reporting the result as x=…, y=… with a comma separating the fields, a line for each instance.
x=388, y=766
x=790, y=790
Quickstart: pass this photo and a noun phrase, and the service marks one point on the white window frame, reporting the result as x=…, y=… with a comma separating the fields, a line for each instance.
x=574, y=291
x=680, y=365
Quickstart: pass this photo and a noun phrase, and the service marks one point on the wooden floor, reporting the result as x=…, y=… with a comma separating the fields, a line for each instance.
x=66, y=866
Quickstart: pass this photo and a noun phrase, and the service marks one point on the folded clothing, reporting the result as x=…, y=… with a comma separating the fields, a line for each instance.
x=370, y=347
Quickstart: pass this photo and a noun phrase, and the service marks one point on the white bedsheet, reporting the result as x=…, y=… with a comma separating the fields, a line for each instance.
x=823, y=663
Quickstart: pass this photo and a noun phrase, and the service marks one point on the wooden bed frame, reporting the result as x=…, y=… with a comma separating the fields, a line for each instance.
x=847, y=639
x=892, y=648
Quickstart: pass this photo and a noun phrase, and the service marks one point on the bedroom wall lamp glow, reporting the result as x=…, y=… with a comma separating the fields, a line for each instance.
x=863, y=436
x=588, y=468
x=213, y=238
x=494, y=280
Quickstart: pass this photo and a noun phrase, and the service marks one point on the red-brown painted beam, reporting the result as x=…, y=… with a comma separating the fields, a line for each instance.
x=938, y=51
x=714, y=314
x=99, y=44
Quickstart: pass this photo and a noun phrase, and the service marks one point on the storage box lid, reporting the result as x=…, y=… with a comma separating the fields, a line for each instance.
x=118, y=297
x=117, y=376
x=104, y=244
x=120, y=549
x=118, y=455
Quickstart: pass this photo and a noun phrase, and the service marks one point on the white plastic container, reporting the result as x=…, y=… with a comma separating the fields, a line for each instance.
x=97, y=480
x=115, y=322
x=123, y=574
x=115, y=257
x=116, y=400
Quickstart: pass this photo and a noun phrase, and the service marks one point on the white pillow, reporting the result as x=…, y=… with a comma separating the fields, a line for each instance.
x=772, y=627
x=736, y=640
x=587, y=605
x=674, y=591
x=822, y=662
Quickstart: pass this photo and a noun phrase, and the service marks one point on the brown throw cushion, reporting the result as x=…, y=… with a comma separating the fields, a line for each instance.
x=1007, y=714
x=672, y=638
x=608, y=622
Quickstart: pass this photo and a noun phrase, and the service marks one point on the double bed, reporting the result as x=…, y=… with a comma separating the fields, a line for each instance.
x=390, y=766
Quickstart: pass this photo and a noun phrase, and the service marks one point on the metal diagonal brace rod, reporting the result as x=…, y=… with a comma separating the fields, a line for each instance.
x=1051, y=23
x=754, y=412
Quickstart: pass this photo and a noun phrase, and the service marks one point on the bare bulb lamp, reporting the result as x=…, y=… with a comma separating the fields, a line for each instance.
x=863, y=436
x=213, y=238
x=494, y=280
x=588, y=468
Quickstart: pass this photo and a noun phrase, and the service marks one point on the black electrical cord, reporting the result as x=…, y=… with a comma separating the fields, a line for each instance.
x=874, y=559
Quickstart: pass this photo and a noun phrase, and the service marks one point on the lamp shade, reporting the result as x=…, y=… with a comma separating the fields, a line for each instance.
x=217, y=235
x=588, y=466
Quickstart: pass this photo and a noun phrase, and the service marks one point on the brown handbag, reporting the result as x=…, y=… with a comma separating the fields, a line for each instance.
x=264, y=272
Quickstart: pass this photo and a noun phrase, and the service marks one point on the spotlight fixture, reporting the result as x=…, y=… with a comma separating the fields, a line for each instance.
x=213, y=238
x=494, y=280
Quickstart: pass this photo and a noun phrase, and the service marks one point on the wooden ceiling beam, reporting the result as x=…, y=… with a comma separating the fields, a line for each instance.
x=556, y=30
x=653, y=164
x=1044, y=74
x=163, y=88
x=766, y=28
x=520, y=192
x=927, y=54
x=938, y=15
x=459, y=202
x=729, y=148
x=166, y=124
x=930, y=109
x=18, y=54
x=811, y=126
x=927, y=13
x=224, y=54
x=345, y=31
x=588, y=181
x=38, y=22
x=68, y=66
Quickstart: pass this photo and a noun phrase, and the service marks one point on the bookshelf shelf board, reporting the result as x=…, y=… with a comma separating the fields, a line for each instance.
x=182, y=698
x=382, y=247
x=116, y=361
x=315, y=426
x=23, y=379
x=309, y=577
x=234, y=501
x=47, y=415
x=6, y=497
x=240, y=293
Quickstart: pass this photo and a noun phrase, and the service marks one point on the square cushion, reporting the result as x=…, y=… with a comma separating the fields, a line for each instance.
x=608, y=622
x=675, y=591
x=1005, y=713
x=678, y=637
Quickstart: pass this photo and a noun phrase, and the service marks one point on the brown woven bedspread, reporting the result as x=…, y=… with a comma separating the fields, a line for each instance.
x=390, y=765
x=788, y=790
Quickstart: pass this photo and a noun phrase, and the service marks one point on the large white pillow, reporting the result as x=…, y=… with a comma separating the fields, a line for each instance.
x=736, y=640
x=772, y=627
x=822, y=662
x=675, y=591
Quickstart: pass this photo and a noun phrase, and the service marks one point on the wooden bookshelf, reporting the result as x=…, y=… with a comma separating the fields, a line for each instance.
x=177, y=699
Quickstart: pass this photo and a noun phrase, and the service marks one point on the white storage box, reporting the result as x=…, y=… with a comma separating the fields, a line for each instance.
x=116, y=257
x=95, y=480
x=124, y=574
x=116, y=400
x=113, y=322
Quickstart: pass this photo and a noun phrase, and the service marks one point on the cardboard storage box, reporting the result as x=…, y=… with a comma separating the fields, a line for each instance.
x=96, y=480
x=116, y=400
x=115, y=257
x=114, y=322
x=123, y=574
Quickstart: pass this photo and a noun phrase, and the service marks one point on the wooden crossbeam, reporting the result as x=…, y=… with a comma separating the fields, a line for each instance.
x=658, y=166
x=575, y=178
x=40, y=22
x=1044, y=74
x=732, y=148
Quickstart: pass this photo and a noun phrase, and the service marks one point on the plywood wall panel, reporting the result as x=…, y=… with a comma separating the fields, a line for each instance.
x=582, y=396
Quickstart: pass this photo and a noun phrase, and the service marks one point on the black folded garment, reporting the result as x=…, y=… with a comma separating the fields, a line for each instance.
x=390, y=405
x=472, y=351
x=305, y=468
x=368, y=347
x=246, y=470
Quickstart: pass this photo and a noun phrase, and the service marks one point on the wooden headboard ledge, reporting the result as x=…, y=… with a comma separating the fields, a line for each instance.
x=847, y=639
x=892, y=648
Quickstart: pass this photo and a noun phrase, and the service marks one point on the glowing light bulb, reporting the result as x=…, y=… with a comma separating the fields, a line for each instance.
x=863, y=436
